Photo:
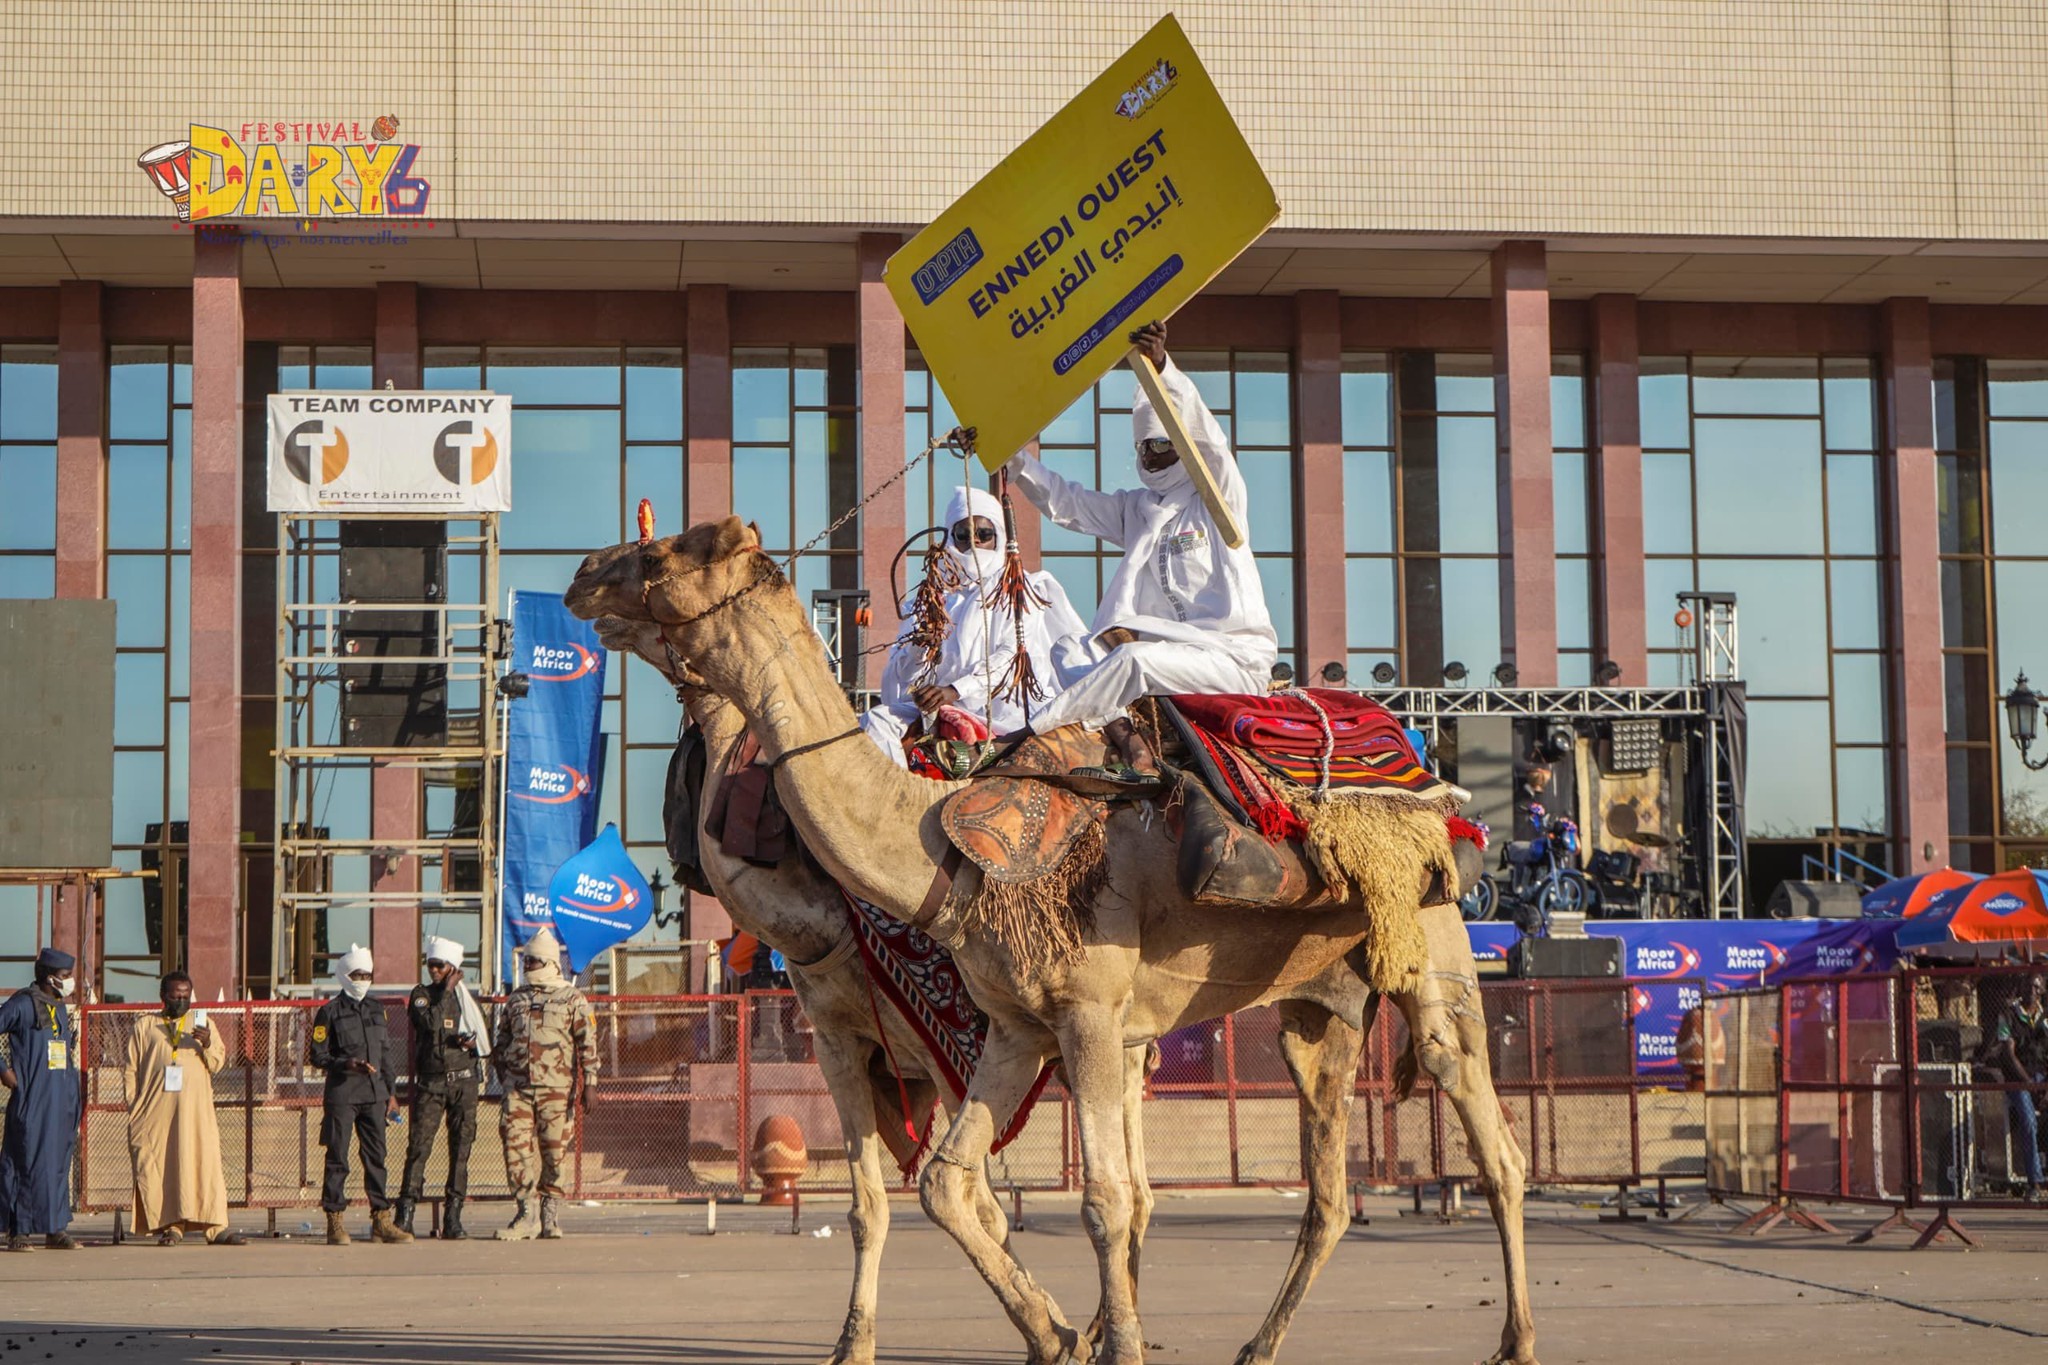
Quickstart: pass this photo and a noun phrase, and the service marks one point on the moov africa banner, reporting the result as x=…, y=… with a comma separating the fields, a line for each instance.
x=1120, y=209
x=554, y=757
x=390, y=450
x=598, y=899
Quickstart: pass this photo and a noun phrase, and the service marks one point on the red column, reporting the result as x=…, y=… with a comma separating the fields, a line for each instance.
x=707, y=409
x=214, y=771
x=81, y=499
x=881, y=429
x=1528, y=532
x=1919, y=770
x=1319, y=483
x=1618, y=487
x=395, y=800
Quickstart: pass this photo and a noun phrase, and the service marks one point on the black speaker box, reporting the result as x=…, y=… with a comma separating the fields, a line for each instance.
x=1815, y=900
x=1566, y=957
x=389, y=706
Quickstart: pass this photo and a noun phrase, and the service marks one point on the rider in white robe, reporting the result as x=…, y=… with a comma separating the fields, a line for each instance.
x=1195, y=605
x=982, y=643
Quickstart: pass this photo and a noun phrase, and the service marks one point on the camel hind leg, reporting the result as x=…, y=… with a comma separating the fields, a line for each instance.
x=1322, y=1052
x=1447, y=1031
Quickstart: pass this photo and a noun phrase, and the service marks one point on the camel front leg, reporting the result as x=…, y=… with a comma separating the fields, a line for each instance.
x=1447, y=1028
x=947, y=1188
x=868, y=1218
x=1097, y=1068
x=1322, y=1055
x=1139, y=1062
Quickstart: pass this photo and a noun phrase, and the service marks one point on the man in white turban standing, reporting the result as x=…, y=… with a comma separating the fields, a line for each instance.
x=449, y=1037
x=173, y=1133
x=980, y=649
x=352, y=1045
x=1194, y=605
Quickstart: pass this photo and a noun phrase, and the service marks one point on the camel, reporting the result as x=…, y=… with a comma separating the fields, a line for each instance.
x=797, y=912
x=1150, y=962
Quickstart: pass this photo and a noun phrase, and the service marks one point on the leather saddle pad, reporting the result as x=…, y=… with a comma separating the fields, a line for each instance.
x=1015, y=820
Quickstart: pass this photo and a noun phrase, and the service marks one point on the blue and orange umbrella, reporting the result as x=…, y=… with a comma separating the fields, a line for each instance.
x=2008, y=907
x=1905, y=897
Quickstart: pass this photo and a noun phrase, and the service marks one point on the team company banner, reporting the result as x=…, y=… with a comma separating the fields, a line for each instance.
x=554, y=758
x=387, y=450
x=1120, y=209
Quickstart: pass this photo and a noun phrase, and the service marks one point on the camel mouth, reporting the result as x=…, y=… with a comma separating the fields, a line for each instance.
x=602, y=572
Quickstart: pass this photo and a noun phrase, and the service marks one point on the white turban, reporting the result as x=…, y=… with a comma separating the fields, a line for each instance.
x=980, y=566
x=356, y=959
x=473, y=1026
x=444, y=950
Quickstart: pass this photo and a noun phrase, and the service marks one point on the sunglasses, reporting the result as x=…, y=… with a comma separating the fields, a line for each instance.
x=436, y=963
x=1155, y=446
x=980, y=535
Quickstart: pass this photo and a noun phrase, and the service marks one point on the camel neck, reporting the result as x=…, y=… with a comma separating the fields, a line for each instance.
x=869, y=823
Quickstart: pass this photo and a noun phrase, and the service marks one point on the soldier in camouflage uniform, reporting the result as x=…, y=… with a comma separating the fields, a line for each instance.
x=544, y=1038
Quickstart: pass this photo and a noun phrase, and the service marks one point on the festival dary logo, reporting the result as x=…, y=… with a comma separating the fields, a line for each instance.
x=315, y=169
x=1148, y=90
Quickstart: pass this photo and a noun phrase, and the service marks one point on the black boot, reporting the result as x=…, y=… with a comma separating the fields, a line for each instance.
x=451, y=1220
x=404, y=1215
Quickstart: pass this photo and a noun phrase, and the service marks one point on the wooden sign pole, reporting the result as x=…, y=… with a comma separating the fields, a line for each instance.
x=1184, y=445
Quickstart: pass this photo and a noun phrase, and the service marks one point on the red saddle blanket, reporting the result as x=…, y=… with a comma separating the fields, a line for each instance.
x=1282, y=724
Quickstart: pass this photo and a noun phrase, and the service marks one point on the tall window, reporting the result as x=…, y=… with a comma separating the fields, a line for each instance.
x=28, y=471
x=1251, y=394
x=1421, y=538
x=149, y=549
x=1991, y=420
x=28, y=540
x=1760, y=478
x=594, y=430
x=795, y=460
x=1569, y=466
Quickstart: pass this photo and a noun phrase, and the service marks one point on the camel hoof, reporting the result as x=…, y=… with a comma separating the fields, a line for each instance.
x=1252, y=1355
x=1507, y=1357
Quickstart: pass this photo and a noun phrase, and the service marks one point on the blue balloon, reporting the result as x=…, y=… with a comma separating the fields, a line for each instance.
x=598, y=899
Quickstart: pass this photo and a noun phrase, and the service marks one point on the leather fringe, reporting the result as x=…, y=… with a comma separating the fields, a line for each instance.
x=1044, y=922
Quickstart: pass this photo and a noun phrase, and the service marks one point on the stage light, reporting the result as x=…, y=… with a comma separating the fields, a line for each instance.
x=1634, y=746
x=1454, y=672
x=1383, y=673
x=1333, y=673
x=1283, y=674
x=1559, y=739
x=1608, y=674
x=1504, y=674
x=514, y=685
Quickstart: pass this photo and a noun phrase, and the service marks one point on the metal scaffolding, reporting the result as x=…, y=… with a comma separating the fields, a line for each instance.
x=328, y=863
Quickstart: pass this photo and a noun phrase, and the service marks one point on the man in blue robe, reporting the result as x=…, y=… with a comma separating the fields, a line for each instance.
x=41, y=1075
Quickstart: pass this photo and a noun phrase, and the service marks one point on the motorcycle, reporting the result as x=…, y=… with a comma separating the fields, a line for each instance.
x=1543, y=877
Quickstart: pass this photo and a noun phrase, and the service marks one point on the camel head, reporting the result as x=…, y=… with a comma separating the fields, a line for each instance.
x=678, y=587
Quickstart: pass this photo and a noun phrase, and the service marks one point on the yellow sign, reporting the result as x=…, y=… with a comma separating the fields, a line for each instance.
x=1120, y=209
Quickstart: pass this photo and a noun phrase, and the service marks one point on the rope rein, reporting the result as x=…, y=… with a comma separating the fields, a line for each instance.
x=1322, y=792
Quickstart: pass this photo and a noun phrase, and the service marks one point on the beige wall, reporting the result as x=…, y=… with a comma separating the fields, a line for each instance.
x=1830, y=118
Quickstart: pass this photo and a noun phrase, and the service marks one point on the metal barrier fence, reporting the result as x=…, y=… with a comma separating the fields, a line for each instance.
x=1923, y=1089
x=686, y=1080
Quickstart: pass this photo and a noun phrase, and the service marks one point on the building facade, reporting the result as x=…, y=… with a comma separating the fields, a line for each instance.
x=1571, y=308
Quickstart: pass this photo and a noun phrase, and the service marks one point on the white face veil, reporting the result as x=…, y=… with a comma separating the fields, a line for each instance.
x=975, y=564
x=1146, y=426
x=356, y=959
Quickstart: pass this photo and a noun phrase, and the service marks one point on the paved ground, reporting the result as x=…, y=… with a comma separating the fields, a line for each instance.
x=629, y=1287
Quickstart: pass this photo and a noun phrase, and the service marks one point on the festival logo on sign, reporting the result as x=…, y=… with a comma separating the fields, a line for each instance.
x=317, y=169
x=1148, y=90
x=306, y=439
x=465, y=440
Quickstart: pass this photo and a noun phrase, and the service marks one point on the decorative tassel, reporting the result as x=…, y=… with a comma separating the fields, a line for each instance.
x=645, y=518
x=1015, y=591
x=929, y=623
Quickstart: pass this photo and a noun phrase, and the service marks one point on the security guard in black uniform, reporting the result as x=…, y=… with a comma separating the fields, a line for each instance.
x=353, y=1046
x=446, y=1076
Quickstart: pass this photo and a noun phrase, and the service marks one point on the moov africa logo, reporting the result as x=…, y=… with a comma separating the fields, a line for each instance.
x=1669, y=960
x=465, y=440
x=316, y=438
x=560, y=663
x=552, y=784
x=600, y=893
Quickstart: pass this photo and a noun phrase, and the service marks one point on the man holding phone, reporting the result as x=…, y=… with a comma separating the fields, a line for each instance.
x=449, y=1039
x=352, y=1044
x=173, y=1135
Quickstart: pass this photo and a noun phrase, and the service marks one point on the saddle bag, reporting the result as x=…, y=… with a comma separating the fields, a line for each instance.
x=681, y=799
x=1222, y=862
x=746, y=816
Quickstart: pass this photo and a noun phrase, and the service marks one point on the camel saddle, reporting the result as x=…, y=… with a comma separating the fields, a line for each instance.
x=1019, y=818
x=746, y=816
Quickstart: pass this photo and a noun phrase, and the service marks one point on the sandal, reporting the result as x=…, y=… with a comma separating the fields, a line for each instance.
x=170, y=1237
x=227, y=1237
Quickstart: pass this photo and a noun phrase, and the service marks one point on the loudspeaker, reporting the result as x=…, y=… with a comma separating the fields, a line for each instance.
x=388, y=706
x=1573, y=957
x=1815, y=900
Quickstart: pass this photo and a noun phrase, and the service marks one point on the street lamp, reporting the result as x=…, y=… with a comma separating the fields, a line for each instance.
x=2023, y=718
